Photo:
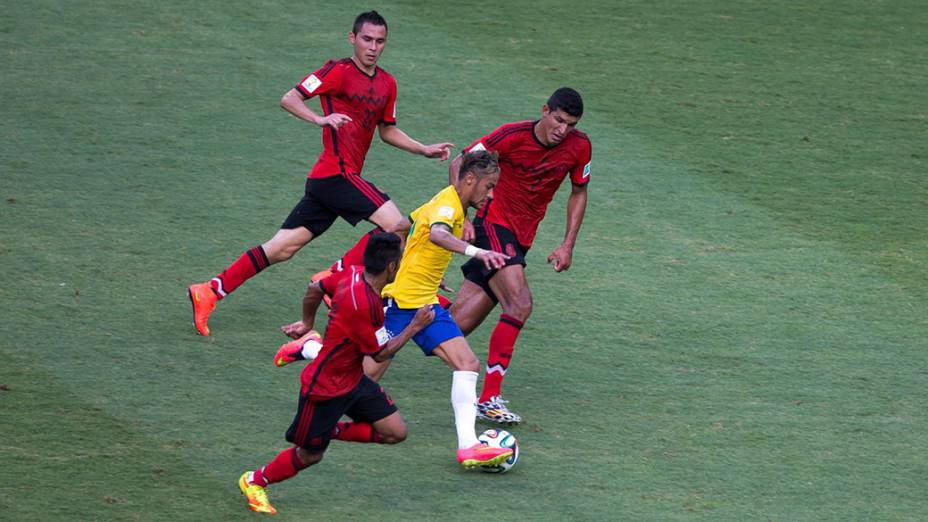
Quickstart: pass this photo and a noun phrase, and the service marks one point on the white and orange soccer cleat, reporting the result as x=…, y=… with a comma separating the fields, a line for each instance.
x=203, y=300
x=480, y=455
x=305, y=348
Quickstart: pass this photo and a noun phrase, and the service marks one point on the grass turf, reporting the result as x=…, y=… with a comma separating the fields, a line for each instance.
x=742, y=335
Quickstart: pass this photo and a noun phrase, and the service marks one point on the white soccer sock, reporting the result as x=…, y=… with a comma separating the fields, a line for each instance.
x=464, y=402
x=311, y=349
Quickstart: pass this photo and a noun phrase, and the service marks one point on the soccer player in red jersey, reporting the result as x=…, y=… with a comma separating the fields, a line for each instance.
x=535, y=157
x=357, y=97
x=334, y=384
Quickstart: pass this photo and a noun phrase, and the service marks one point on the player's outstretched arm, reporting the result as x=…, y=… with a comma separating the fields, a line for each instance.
x=441, y=235
x=294, y=103
x=393, y=135
x=422, y=319
x=562, y=256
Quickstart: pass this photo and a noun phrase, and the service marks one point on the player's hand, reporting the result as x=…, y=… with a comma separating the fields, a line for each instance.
x=492, y=260
x=443, y=286
x=423, y=318
x=468, y=234
x=438, y=150
x=561, y=258
x=296, y=329
x=334, y=120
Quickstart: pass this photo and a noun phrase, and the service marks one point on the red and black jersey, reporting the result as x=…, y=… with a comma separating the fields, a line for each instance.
x=530, y=174
x=355, y=329
x=344, y=88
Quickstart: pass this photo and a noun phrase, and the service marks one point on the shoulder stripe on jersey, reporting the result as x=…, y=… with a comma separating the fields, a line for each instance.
x=326, y=69
x=521, y=127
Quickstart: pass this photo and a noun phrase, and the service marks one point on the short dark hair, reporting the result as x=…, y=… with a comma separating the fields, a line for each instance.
x=568, y=100
x=382, y=249
x=480, y=162
x=370, y=17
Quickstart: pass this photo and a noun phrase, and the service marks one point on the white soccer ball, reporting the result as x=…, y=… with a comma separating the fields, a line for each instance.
x=500, y=439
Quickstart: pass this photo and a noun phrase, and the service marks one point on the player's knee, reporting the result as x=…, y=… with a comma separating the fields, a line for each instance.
x=519, y=308
x=469, y=364
x=306, y=458
x=394, y=436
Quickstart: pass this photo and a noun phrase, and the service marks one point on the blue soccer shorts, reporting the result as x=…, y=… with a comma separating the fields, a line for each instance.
x=440, y=330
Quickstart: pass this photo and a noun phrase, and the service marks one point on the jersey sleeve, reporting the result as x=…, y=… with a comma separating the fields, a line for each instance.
x=389, y=112
x=442, y=212
x=324, y=80
x=580, y=174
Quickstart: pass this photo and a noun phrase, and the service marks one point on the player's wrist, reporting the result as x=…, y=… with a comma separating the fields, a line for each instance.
x=472, y=251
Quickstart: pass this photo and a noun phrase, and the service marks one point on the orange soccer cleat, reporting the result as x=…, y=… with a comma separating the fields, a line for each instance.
x=294, y=350
x=203, y=300
x=482, y=455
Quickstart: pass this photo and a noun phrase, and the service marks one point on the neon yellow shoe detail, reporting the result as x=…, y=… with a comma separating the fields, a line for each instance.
x=256, y=495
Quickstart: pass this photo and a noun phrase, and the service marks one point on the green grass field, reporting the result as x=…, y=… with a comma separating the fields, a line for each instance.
x=743, y=335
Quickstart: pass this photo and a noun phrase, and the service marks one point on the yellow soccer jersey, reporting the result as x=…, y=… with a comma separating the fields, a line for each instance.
x=424, y=263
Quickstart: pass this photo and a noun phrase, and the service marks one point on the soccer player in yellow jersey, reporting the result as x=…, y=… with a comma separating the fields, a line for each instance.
x=433, y=239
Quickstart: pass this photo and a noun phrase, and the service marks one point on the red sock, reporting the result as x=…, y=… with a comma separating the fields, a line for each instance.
x=502, y=340
x=444, y=302
x=355, y=254
x=246, y=266
x=355, y=432
x=285, y=465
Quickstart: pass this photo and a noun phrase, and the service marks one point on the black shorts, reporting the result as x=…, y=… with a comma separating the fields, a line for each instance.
x=312, y=427
x=491, y=236
x=350, y=196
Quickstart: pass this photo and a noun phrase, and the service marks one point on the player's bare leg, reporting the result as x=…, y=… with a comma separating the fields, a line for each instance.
x=392, y=429
x=285, y=243
x=470, y=307
x=390, y=219
x=461, y=359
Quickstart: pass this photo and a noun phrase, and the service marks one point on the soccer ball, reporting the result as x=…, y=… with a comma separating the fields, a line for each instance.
x=500, y=439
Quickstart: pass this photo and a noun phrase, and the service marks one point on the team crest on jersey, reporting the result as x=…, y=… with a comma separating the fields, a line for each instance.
x=586, y=170
x=382, y=336
x=311, y=83
x=446, y=212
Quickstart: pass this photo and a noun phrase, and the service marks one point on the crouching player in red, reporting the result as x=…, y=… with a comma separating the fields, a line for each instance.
x=433, y=239
x=334, y=384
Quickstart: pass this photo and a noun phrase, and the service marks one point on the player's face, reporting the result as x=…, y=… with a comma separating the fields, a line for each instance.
x=483, y=189
x=555, y=125
x=368, y=43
